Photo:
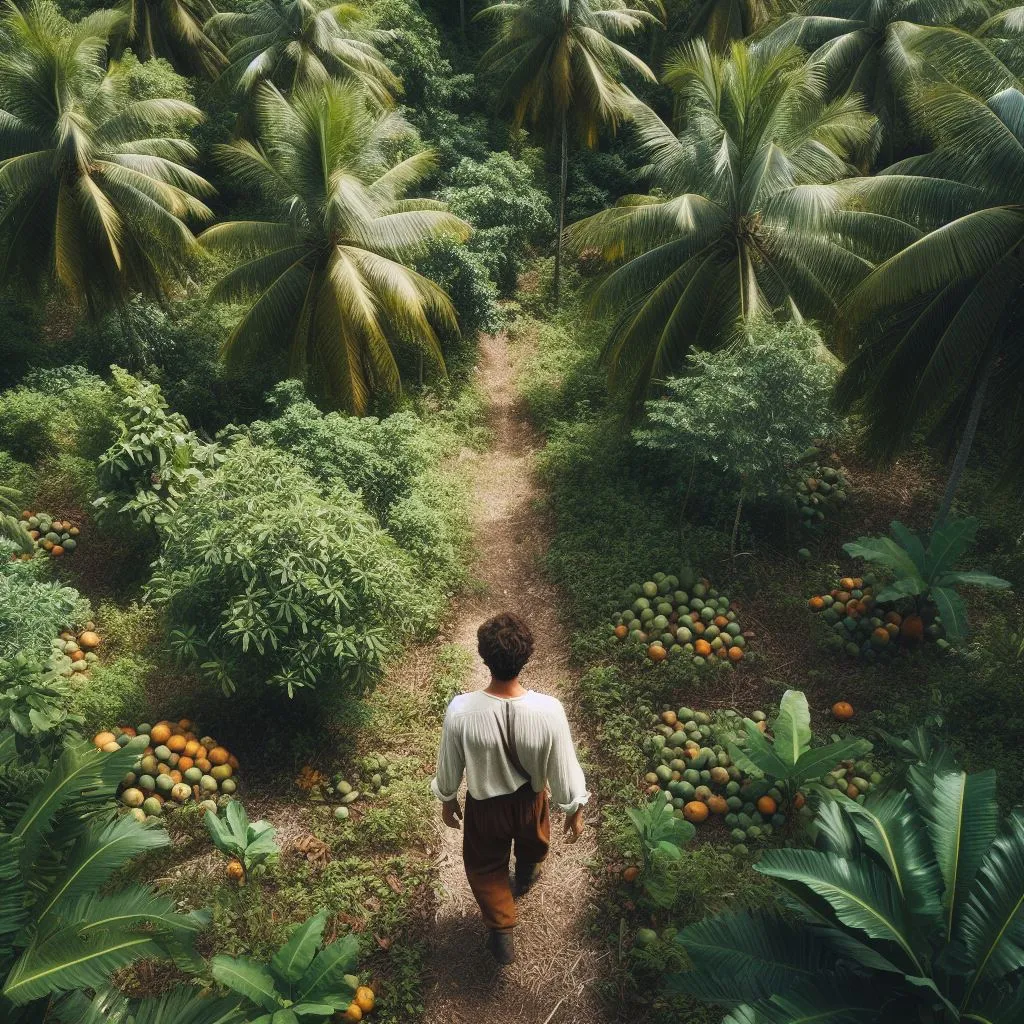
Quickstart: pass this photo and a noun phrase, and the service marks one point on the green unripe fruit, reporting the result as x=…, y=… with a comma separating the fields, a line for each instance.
x=164, y=783
x=221, y=772
x=208, y=805
x=341, y=813
x=133, y=798
x=147, y=783
x=228, y=786
x=162, y=753
x=208, y=784
x=152, y=807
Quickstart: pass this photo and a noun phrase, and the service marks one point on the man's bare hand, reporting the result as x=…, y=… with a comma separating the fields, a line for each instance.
x=574, y=825
x=451, y=813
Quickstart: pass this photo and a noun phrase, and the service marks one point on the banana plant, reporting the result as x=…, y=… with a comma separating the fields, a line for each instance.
x=910, y=909
x=305, y=980
x=179, y=1006
x=250, y=844
x=662, y=837
x=61, y=927
x=922, y=569
x=786, y=759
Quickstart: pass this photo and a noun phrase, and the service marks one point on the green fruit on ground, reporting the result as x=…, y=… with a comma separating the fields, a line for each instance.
x=164, y=783
x=192, y=775
x=711, y=633
x=862, y=784
x=740, y=850
x=208, y=805
x=696, y=604
x=875, y=779
x=350, y=798
x=152, y=806
x=162, y=753
x=645, y=936
x=147, y=783
x=702, y=718
x=133, y=798
x=180, y=792
x=208, y=784
x=627, y=617
x=80, y=666
x=733, y=629
x=737, y=835
x=699, y=589
x=138, y=814
x=707, y=613
x=341, y=813
x=641, y=604
x=681, y=597
x=663, y=772
x=692, y=776
x=221, y=772
x=754, y=832
x=650, y=589
x=647, y=616
x=228, y=786
x=660, y=623
x=664, y=608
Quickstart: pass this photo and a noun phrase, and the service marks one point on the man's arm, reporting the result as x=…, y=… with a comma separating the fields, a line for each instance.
x=451, y=766
x=565, y=776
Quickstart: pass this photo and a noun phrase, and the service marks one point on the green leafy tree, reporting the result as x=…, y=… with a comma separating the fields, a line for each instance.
x=884, y=50
x=155, y=458
x=34, y=610
x=721, y=22
x=908, y=909
x=787, y=760
x=293, y=43
x=746, y=417
x=307, y=979
x=96, y=191
x=267, y=586
x=923, y=569
x=560, y=67
x=933, y=334
x=61, y=927
x=745, y=214
x=252, y=844
x=327, y=274
x=173, y=29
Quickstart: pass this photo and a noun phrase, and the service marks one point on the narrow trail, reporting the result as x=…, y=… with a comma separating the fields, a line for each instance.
x=553, y=980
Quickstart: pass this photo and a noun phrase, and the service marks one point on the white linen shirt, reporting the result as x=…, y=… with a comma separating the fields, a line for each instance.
x=471, y=744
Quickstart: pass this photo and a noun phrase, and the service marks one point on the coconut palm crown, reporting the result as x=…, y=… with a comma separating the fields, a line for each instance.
x=746, y=215
x=173, y=29
x=325, y=274
x=95, y=192
x=303, y=42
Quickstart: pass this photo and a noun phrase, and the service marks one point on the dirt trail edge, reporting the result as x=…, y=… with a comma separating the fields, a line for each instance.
x=553, y=978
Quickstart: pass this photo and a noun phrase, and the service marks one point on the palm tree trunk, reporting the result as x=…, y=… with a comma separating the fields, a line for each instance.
x=963, y=450
x=563, y=181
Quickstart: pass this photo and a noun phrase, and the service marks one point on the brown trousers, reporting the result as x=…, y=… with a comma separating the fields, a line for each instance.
x=492, y=827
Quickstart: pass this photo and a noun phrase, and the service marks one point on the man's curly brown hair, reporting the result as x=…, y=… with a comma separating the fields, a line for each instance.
x=505, y=643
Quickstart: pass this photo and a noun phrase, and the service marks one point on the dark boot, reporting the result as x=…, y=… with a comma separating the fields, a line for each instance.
x=526, y=876
x=502, y=947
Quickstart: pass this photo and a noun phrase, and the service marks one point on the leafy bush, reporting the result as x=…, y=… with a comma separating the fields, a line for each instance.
x=114, y=692
x=33, y=610
x=662, y=837
x=509, y=213
x=33, y=709
x=252, y=844
x=262, y=580
x=155, y=458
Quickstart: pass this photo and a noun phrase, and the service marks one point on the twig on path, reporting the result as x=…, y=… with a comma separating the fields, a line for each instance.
x=550, y=1016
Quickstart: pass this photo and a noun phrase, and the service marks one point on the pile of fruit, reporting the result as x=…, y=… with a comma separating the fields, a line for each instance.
x=817, y=492
x=55, y=536
x=696, y=622
x=690, y=765
x=377, y=775
x=75, y=652
x=176, y=766
x=864, y=628
x=362, y=1003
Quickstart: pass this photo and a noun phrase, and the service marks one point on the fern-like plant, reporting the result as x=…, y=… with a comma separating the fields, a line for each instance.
x=61, y=927
x=251, y=844
x=11, y=527
x=662, y=837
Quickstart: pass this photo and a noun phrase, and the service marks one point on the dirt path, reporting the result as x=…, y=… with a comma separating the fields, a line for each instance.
x=553, y=978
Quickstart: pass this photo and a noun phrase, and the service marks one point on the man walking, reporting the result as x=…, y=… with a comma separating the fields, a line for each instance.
x=511, y=743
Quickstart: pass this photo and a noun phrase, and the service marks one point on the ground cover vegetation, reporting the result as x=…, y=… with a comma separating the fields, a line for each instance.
x=760, y=266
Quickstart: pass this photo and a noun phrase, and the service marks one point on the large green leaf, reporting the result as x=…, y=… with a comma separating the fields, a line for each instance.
x=883, y=551
x=951, y=607
x=818, y=760
x=749, y=955
x=181, y=1005
x=758, y=757
x=247, y=978
x=947, y=543
x=862, y=895
x=324, y=981
x=991, y=926
x=962, y=819
x=792, y=728
x=291, y=961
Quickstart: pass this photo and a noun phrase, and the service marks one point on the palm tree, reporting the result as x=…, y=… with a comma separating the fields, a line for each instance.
x=173, y=29
x=721, y=22
x=559, y=68
x=894, y=885
x=303, y=42
x=881, y=49
x=93, y=194
x=935, y=331
x=327, y=271
x=745, y=218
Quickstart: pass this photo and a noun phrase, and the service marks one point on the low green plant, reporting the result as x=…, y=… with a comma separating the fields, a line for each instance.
x=908, y=909
x=305, y=980
x=34, y=709
x=787, y=760
x=179, y=1006
x=923, y=569
x=662, y=838
x=61, y=926
x=251, y=843
x=11, y=526
x=34, y=610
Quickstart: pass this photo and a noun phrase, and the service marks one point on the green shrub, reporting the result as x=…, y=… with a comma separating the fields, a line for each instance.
x=114, y=693
x=34, y=610
x=263, y=581
x=33, y=709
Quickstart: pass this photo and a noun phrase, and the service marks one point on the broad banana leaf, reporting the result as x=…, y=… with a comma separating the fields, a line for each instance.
x=792, y=728
x=292, y=960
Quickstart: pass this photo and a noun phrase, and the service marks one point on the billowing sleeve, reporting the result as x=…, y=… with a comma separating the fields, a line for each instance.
x=565, y=776
x=451, y=761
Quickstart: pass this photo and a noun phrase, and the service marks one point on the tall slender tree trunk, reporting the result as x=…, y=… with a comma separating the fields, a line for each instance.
x=963, y=450
x=563, y=182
